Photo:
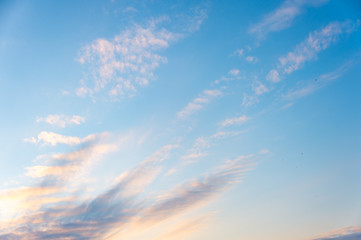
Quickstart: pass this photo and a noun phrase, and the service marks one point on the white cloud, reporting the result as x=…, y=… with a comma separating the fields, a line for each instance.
x=234, y=72
x=238, y=120
x=65, y=93
x=239, y=52
x=251, y=59
x=127, y=61
x=83, y=91
x=273, y=76
x=197, y=17
x=123, y=64
x=198, y=103
x=51, y=138
x=264, y=151
x=282, y=17
x=61, y=120
x=259, y=88
x=288, y=105
x=130, y=9
x=316, y=42
x=212, y=93
x=317, y=83
x=223, y=134
x=249, y=100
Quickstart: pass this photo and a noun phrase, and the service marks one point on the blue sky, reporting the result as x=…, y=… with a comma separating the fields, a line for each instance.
x=180, y=120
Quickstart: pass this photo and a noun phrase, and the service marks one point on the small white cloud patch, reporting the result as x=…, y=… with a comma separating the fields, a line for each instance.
x=237, y=120
x=61, y=120
x=273, y=76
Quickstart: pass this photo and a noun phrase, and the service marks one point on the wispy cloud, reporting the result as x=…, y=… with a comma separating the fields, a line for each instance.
x=273, y=76
x=192, y=155
x=121, y=209
x=249, y=100
x=239, y=52
x=196, y=18
x=127, y=61
x=317, y=83
x=51, y=138
x=347, y=233
x=226, y=134
x=198, y=103
x=52, y=183
x=121, y=65
x=259, y=88
x=251, y=59
x=316, y=42
x=186, y=228
x=234, y=72
x=282, y=17
x=61, y=120
x=237, y=120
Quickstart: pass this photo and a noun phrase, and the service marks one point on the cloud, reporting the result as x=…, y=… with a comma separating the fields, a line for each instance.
x=347, y=233
x=282, y=17
x=51, y=138
x=319, y=82
x=249, y=100
x=130, y=9
x=186, y=228
x=232, y=121
x=199, y=149
x=198, y=103
x=119, y=66
x=120, y=210
x=61, y=120
x=264, y=151
x=316, y=42
x=51, y=185
x=127, y=61
x=234, y=72
x=239, y=52
x=197, y=17
x=251, y=59
x=273, y=76
x=259, y=88
x=192, y=155
x=225, y=134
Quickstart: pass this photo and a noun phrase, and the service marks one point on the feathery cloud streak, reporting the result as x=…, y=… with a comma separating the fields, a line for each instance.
x=318, y=83
x=347, y=233
x=198, y=103
x=116, y=211
x=61, y=120
x=232, y=121
x=51, y=138
x=316, y=42
x=282, y=17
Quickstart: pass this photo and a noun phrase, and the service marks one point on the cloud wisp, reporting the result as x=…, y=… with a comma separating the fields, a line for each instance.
x=347, y=233
x=121, y=65
x=52, y=179
x=51, y=138
x=316, y=42
x=318, y=83
x=236, y=120
x=282, y=17
x=126, y=62
x=51, y=210
x=61, y=120
x=198, y=103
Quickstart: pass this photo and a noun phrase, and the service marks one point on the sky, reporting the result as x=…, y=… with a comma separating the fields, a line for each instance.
x=180, y=120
